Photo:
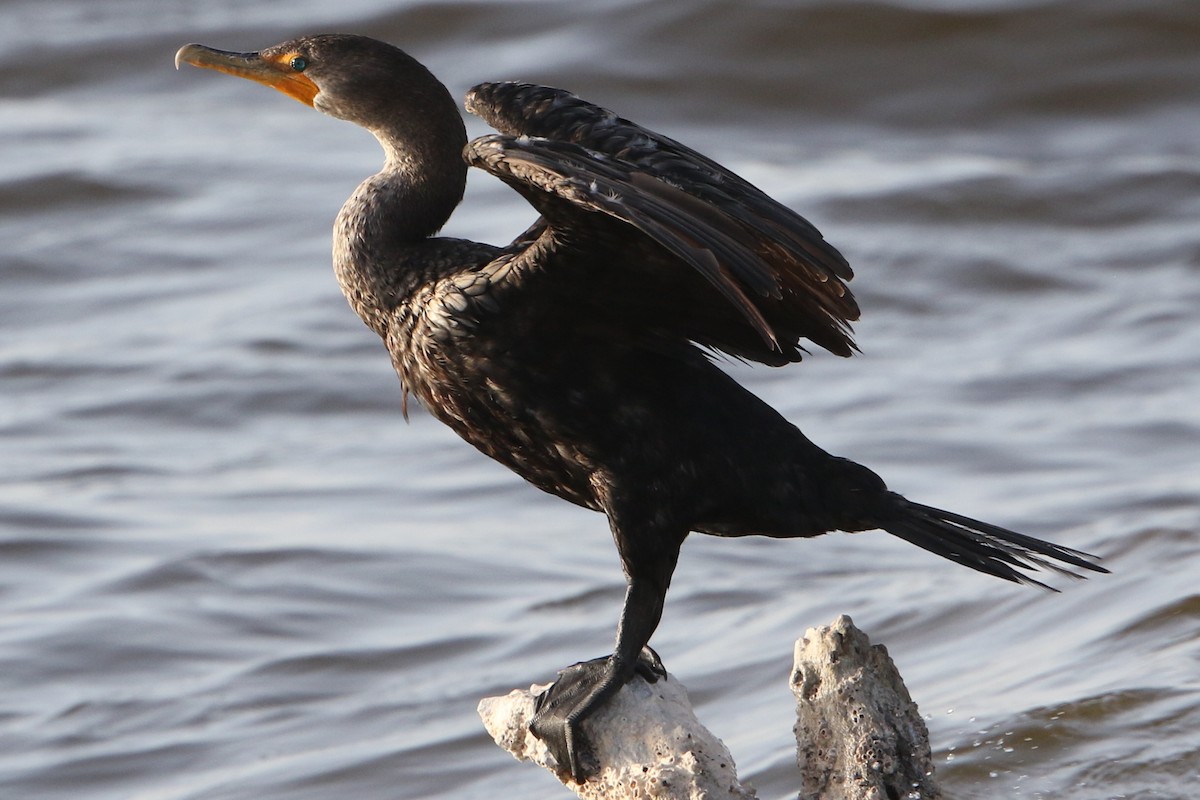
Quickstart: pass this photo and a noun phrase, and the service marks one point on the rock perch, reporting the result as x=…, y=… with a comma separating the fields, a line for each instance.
x=647, y=740
x=859, y=735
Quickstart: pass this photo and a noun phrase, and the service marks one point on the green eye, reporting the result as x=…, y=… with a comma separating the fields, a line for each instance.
x=299, y=63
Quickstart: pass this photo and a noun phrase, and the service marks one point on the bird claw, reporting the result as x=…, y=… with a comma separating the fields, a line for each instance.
x=649, y=665
x=580, y=690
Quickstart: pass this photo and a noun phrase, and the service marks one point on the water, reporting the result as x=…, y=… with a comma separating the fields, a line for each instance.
x=228, y=569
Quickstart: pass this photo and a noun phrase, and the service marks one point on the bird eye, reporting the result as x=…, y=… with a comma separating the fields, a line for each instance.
x=299, y=63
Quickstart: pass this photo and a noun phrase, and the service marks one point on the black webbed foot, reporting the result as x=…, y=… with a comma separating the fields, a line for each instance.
x=580, y=690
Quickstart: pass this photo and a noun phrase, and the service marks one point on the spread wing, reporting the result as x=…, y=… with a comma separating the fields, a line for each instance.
x=665, y=235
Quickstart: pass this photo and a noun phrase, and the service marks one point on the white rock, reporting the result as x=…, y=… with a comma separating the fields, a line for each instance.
x=859, y=735
x=647, y=739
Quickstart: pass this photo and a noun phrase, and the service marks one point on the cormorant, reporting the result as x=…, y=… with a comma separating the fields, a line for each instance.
x=579, y=354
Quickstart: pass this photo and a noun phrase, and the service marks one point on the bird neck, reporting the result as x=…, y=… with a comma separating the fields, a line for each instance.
x=379, y=233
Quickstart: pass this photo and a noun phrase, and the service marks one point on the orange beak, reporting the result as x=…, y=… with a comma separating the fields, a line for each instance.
x=275, y=71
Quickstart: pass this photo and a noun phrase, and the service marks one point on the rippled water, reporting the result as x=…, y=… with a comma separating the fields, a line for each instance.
x=228, y=569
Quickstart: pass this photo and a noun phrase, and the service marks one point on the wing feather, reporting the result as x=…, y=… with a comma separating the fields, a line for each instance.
x=573, y=160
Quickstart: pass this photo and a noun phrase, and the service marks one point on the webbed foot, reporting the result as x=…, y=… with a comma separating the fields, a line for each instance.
x=580, y=690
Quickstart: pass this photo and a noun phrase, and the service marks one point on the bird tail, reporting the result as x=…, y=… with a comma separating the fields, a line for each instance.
x=982, y=546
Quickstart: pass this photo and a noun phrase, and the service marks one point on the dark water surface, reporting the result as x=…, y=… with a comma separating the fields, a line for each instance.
x=228, y=569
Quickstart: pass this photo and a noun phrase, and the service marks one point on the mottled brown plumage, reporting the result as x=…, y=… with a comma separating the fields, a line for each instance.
x=578, y=354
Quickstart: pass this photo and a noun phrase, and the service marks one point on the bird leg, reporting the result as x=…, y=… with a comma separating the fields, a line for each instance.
x=584, y=688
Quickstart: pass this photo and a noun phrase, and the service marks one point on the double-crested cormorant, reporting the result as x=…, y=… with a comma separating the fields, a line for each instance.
x=578, y=355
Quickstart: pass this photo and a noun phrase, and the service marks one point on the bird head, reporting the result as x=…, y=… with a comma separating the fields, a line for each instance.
x=349, y=77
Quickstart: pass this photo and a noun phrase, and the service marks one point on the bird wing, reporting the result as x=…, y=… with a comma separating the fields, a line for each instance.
x=740, y=272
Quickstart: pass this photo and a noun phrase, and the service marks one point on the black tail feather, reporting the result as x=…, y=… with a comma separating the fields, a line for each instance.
x=982, y=546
